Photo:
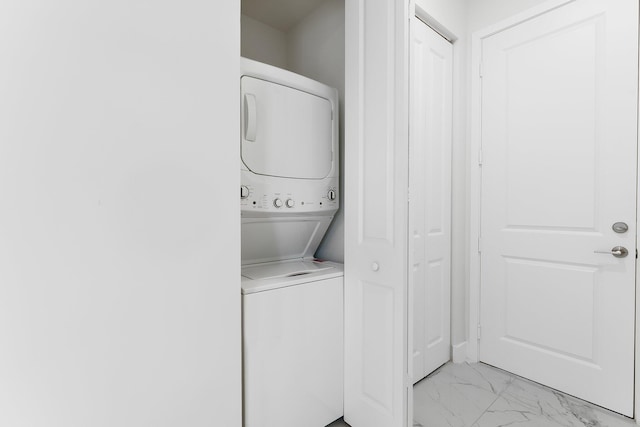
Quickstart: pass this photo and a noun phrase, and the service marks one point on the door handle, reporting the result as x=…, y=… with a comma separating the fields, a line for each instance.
x=250, y=117
x=617, y=251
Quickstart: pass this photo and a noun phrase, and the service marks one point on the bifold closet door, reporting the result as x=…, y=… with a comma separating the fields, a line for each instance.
x=430, y=197
x=376, y=178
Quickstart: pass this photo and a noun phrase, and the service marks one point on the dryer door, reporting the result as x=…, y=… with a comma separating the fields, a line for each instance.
x=286, y=132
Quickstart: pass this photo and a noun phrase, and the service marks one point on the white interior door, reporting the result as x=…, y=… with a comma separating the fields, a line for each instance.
x=377, y=380
x=430, y=197
x=559, y=138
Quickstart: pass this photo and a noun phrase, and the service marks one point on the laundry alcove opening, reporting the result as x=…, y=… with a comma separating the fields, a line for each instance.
x=293, y=354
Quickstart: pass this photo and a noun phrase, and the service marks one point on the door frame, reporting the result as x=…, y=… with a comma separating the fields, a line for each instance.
x=475, y=187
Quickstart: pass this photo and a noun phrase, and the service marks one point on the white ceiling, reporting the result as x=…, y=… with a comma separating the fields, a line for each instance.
x=279, y=14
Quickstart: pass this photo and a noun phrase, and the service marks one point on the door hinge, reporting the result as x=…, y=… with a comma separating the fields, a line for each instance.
x=479, y=331
x=480, y=157
x=479, y=244
x=480, y=70
x=636, y=254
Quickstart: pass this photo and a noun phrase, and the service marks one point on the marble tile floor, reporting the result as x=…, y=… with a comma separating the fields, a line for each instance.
x=478, y=395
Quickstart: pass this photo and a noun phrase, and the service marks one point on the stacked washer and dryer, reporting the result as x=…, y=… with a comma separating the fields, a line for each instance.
x=292, y=302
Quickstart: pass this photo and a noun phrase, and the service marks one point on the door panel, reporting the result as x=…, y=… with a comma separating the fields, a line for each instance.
x=376, y=128
x=559, y=136
x=280, y=123
x=430, y=200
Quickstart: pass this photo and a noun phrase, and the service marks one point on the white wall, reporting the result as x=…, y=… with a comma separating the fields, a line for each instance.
x=483, y=13
x=119, y=265
x=263, y=43
x=315, y=48
x=451, y=15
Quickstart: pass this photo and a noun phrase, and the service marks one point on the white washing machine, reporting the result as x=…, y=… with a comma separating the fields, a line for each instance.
x=292, y=303
x=292, y=344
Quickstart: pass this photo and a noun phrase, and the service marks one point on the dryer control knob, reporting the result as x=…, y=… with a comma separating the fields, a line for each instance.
x=244, y=191
x=331, y=194
x=277, y=203
x=290, y=203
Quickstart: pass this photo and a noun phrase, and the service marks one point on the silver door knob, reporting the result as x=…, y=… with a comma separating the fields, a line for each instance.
x=616, y=251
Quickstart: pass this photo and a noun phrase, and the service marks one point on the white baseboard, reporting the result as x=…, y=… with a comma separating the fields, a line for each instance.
x=459, y=352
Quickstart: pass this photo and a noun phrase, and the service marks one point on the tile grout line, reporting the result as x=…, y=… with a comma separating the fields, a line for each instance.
x=512, y=379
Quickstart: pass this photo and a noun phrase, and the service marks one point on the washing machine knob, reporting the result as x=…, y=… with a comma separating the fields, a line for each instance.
x=277, y=203
x=290, y=203
x=244, y=191
x=331, y=194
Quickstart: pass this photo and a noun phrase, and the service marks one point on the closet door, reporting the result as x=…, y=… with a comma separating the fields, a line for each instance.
x=430, y=198
x=377, y=377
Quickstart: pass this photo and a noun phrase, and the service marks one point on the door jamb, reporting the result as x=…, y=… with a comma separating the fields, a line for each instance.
x=475, y=181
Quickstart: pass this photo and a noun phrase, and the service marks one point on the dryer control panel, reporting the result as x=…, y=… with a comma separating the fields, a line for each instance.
x=272, y=195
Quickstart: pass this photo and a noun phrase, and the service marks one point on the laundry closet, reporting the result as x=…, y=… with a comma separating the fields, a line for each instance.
x=291, y=91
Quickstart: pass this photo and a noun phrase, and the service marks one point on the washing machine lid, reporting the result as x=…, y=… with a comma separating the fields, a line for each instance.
x=285, y=132
x=283, y=269
x=283, y=274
